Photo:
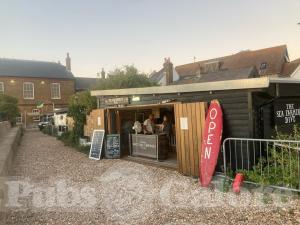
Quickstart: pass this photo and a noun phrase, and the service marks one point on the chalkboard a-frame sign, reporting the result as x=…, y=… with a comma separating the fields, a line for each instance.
x=112, y=146
x=97, y=143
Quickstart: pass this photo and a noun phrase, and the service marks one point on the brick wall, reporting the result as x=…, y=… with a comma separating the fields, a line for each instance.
x=42, y=92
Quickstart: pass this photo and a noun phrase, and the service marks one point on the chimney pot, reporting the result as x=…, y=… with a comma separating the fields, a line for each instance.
x=102, y=73
x=68, y=62
x=168, y=69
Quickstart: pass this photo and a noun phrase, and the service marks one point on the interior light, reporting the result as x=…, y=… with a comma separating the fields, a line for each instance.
x=136, y=98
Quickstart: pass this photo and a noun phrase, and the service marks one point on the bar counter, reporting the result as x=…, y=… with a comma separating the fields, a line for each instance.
x=154, y=146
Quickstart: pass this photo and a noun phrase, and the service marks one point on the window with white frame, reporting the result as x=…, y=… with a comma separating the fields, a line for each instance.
x=1, y=88
x=55, y=90
x=19, y=119
x=28, y=90
x=36, y=116
x=36, y=111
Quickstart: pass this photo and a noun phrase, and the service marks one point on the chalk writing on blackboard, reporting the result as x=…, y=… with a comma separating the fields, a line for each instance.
x=97, y=143
x=112, y=146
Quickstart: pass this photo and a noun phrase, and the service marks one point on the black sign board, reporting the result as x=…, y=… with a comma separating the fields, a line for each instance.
x=97, y=143
x=112, y=146
x=287, y=114
x=116, y=101
x=144, y=145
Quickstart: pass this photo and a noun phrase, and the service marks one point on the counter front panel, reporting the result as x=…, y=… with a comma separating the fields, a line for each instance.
x=151, y=146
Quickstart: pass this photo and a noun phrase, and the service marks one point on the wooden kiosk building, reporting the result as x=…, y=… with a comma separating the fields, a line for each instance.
x=249, y=110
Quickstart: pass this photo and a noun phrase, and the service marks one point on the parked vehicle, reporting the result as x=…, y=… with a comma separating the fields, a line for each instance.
x=45, y=120
x=60, y=120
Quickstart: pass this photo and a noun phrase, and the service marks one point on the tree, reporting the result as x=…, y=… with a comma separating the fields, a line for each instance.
x=8, y=108
x=126, y=77
x=80, y=104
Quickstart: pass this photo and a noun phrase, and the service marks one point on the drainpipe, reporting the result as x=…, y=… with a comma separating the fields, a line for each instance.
x=277, y=93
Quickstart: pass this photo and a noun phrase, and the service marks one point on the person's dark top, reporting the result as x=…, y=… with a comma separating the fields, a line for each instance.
x=167, y=128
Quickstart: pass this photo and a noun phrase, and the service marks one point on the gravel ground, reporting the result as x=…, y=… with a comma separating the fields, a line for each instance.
x=62, y=186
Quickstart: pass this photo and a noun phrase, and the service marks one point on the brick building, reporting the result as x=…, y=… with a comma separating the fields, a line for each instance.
x=39, y=86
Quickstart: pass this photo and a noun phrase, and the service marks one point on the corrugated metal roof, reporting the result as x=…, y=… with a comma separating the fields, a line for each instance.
x=31, y=68
x=252, y=83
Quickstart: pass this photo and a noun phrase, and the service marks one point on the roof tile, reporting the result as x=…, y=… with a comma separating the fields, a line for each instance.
x=31, y=68
x=274, y=57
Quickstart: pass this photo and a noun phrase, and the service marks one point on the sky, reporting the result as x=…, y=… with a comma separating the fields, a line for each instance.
x=114, y=33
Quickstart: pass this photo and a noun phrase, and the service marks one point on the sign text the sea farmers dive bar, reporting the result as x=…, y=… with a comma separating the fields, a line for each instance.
x=287, y=113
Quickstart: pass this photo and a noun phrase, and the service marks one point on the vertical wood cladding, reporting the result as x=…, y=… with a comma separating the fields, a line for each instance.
x=188, y=142
x=95, y=120
x=234, y=104
x=237, y=115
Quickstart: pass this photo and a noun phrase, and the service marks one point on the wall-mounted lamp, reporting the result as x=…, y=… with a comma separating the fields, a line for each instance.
x=136, y=98
x=42, y=82
x=12, y=81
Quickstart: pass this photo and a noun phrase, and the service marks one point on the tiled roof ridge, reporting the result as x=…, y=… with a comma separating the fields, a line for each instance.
x=237, y=53
x=28, y=60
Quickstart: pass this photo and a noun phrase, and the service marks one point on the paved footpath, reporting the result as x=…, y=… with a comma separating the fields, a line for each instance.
x=54, y=184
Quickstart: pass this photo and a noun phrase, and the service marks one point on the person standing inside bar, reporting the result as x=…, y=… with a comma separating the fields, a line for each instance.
x=149, y=125
x=167, y=126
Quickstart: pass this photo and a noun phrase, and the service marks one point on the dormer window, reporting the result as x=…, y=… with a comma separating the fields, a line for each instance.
x=263, y=66
x=287, y=59
x=211, y=67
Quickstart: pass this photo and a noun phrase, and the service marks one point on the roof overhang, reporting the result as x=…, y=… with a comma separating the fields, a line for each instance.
x=253, y=83
x=286, y=80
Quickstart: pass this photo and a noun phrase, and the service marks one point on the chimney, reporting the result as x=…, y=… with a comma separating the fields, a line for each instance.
x=168, y=68
x=68, y=62
x=102, y=73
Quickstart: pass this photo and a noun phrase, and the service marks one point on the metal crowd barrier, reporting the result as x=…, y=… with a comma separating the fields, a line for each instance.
x=277, y=160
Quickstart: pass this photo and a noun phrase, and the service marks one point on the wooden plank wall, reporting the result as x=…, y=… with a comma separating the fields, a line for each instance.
x=188, y=142
x=234, y=105
x=92, y=122
x=109, y=121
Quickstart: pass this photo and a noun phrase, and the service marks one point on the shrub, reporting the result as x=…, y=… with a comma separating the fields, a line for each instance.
x=8, y=108
x=50, y=130
x=126, y=77
x=80, y=105
x=69, y=138
x=283, y=166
